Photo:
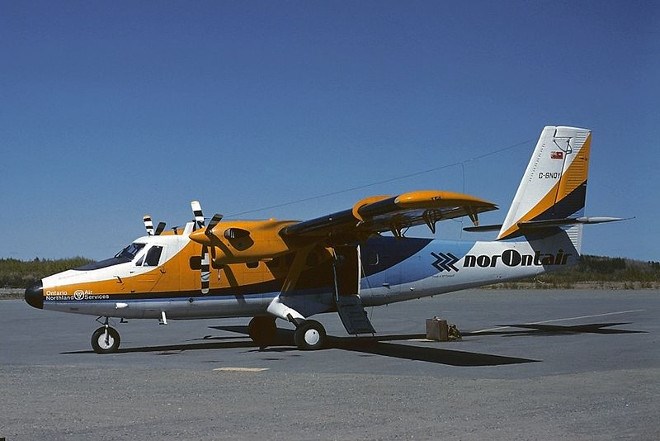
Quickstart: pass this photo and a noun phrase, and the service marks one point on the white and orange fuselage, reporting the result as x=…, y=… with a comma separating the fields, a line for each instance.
x=393, y=269
x=340, y=262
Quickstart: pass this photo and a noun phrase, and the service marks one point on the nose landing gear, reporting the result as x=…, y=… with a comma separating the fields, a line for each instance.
x=105, y=339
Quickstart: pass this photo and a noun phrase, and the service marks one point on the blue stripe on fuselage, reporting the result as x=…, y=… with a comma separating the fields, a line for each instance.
x=391, y=261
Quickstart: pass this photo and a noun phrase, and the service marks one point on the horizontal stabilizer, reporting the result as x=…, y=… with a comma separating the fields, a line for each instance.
x=550, y=223
x=483, y=228
x=569, y=221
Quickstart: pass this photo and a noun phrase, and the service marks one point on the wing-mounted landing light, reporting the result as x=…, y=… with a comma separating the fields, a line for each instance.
x=149, y=226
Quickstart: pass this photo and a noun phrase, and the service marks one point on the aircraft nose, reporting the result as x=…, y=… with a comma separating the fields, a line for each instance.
x=34, y=296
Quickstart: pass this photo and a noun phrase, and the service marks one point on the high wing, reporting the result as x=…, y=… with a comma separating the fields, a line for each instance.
x=395, y=214
x=249, y=241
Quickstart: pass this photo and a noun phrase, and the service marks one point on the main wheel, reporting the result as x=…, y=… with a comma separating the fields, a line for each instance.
x=262, y=330
x=310, y=336
x=105, y=340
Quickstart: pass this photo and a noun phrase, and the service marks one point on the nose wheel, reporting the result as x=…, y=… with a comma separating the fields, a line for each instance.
x=105, y=340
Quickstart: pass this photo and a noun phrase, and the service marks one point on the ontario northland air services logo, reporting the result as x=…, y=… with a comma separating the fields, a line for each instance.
x=445, y=262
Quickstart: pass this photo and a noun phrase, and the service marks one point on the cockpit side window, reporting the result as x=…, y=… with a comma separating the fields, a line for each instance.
x=153, y=256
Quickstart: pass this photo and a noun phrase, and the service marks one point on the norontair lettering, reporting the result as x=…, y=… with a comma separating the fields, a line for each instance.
x=514, y=258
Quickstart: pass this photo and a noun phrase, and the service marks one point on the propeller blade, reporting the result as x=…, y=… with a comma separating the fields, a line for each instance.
x=148, y=225
x=159, y=228
x=214, y=221
x=204, y=270
x=197, y=212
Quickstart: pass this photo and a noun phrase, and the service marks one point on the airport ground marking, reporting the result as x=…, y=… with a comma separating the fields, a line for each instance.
x=239, y=369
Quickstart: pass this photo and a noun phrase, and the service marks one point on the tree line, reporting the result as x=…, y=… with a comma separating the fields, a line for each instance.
x=16, y=273
x=598, y=270
x=21, y=274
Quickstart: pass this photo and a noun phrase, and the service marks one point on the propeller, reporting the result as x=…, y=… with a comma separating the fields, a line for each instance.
x=197, y=212
x=149, y=226
x=205, y=271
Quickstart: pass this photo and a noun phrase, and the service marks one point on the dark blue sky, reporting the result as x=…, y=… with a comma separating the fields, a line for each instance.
x=110, y=110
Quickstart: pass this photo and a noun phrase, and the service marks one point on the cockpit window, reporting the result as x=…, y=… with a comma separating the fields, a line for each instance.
x=125, y=255
x=130, y=251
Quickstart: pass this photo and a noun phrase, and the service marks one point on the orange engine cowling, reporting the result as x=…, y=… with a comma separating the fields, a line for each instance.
x=244, y=241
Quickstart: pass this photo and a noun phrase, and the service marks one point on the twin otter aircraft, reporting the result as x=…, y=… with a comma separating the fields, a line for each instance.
x=292, y=270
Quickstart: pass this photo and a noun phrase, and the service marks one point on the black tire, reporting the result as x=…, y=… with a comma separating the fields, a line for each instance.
x=262, y=330
x=310, y=336
x=105, y=344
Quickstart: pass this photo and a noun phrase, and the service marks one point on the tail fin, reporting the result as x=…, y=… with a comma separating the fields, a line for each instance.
x=553, y=189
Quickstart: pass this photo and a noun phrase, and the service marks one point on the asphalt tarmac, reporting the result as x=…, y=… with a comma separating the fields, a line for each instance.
x=532, y=365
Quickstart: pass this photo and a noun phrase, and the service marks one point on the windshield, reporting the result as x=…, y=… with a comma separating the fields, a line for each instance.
x=125, y=255
x=130, y=251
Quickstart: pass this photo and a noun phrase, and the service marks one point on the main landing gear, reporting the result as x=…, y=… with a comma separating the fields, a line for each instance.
x=262, y=330
x=309, y=334
x=105, y=339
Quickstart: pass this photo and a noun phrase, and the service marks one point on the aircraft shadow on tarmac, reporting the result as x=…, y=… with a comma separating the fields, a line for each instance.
x=534, y=329
x=386, y=345
x=381, y=345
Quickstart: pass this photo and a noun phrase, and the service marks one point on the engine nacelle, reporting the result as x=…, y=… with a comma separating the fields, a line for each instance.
x=244, y=241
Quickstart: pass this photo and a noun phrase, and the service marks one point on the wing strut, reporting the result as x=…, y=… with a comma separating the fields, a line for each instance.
x=278, y=306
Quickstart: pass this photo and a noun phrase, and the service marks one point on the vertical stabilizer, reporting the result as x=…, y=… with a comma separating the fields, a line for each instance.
x=554, y=185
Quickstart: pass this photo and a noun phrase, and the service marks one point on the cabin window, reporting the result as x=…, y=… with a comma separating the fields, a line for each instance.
x=153, y=256
x=196, y=262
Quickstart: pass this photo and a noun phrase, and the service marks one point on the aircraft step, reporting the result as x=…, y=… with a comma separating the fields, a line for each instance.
x=353, y=316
